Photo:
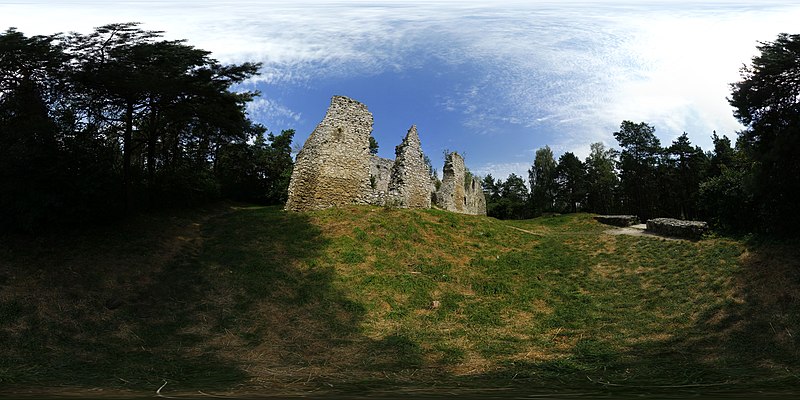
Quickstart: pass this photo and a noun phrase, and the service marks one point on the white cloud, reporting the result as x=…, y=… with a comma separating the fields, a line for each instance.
x=589, y=71
x=575, y=67
x=274, y=114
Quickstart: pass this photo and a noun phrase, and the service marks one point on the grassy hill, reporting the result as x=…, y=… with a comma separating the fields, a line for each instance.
x=253, y=299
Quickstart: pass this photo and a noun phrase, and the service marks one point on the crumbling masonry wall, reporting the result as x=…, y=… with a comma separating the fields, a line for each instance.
x=476, y=199
x=380, y=170
x=450, y=195
x=410, y=177
x=455, y=193
x=333, y=167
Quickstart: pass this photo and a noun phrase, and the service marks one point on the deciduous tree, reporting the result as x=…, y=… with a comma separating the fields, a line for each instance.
x=542, y=178
x=601, y=179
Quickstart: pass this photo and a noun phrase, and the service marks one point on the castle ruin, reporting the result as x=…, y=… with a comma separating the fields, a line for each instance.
x=410, y=180
x=459, y=192
x=334, y=168
x=380, y=170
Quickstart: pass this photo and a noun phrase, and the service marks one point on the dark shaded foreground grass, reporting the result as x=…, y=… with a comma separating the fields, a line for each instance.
x=369, y=300
x=122, y=308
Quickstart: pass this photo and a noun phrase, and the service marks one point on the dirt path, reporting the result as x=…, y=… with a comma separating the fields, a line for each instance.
x=526, y=231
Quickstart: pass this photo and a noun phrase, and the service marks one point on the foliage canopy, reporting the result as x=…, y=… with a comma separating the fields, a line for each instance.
x=94, y=126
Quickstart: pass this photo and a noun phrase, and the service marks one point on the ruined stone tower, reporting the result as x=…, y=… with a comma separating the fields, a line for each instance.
x=410, y=178
x=456, y=194
x=476, y=199
x=333, y=168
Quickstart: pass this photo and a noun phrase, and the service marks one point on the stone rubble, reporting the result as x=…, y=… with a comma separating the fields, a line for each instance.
x=617, y=220
x=677, y=227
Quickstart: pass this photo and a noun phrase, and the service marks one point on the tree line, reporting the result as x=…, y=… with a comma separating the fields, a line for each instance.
x=95, y=126
x=750, y=185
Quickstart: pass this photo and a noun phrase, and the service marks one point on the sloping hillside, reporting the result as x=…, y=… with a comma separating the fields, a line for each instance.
x=251, y=299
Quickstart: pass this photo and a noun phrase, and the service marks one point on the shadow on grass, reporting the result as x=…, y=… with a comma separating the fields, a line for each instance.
x=754, y=336
x=114, y=308
x=292, y=323
x=214, y=300
x=249, y=298
x=750, y=341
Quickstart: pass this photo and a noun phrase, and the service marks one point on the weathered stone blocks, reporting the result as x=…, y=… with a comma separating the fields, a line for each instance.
x=450, y=195
x=677, y=227
x=617, y=220
x=476, y=199
x=380, y=170
x=410, y=177
x=457, y=193
x=333, y=167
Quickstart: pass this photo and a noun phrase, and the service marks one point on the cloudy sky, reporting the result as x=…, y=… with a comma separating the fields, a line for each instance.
x=493, y=80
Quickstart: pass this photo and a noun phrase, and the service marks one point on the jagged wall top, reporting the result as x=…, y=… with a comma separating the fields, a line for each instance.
x=333, y=168
x=410, y=179
x=456, y=193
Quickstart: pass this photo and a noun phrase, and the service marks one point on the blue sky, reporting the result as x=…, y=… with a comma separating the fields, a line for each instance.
x=493, y=80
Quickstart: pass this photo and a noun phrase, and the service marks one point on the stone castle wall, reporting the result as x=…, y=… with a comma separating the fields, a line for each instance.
x=380, y=170
x=476, y=199
x=333, y=167
x=456, y=194
x=450, y=195
x=410, y=177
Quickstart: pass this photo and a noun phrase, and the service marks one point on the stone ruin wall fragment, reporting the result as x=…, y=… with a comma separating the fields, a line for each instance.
x=455, y=194
x=333, y=167
x=450, y=195
x=476, y=199
x=410, y=177
x=380, y=170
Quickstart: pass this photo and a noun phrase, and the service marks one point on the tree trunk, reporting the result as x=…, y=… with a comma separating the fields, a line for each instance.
x=152, y=139
x=127, y=147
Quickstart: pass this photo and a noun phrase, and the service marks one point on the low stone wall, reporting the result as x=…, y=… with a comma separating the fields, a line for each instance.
x=617, y=220
x=677, y=227
x=385, y=199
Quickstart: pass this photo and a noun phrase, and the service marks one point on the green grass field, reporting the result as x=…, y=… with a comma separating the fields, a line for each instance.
x=253, y=299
